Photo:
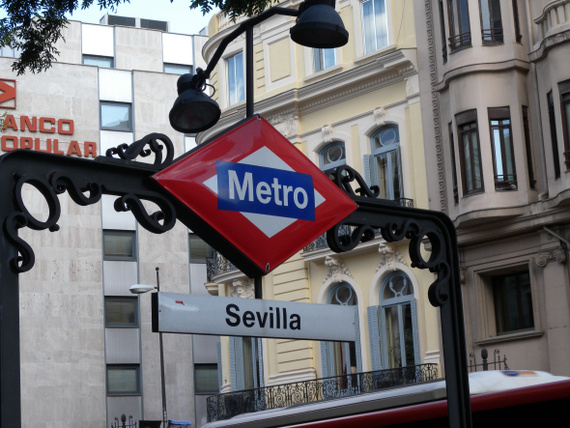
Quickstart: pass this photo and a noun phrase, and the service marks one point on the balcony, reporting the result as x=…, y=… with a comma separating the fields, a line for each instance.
x=227, y=405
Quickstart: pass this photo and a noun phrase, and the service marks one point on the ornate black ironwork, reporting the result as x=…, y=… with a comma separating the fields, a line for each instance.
x=498, y=363
x=85, y=182
x=428, y=232
x=228, y=405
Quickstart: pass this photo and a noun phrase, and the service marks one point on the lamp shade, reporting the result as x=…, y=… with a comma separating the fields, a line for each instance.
x=193, y=110
x=319, y=25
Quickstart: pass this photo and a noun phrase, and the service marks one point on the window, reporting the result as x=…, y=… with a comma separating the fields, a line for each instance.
x=99, y=61
x=177, y=68
x=491, y=24
x=502, y=144
x=459, y=32
x=323, y=59
x=470, y=154
x=246, y=363
x=528, y=148
x=518, y=35
x=123, y=379
x=512, y=299
x=399, y=321
x=385, y=168
x=332, y=155
x=453, y=165
x=206, y=379
x=116, y=116
x=236, y=88
x=564, y=88
x=121, y=312
x=374, y=25
x=442, y=31
x=200, y=251
x=119, y=245
x=553, y=135
x=341, y=358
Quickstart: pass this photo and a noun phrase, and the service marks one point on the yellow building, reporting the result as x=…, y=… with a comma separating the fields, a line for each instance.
x=356, y=105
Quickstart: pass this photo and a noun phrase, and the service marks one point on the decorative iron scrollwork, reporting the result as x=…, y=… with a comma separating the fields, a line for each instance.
x=156, y=143
x=85, y=182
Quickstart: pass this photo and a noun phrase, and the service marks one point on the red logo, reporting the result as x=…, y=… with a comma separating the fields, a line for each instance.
x=258, y=191
x=8, y=93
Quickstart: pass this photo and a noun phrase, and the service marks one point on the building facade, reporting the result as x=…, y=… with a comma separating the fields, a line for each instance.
x=357, y=105
x=494, y=84
x=88, y=355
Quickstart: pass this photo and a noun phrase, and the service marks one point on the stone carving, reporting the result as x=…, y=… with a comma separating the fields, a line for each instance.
x=336, y=269
x=242, y=288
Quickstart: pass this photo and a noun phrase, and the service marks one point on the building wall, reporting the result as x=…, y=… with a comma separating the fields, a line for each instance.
x=503, y=231
x=66, y=346
x=346, y=102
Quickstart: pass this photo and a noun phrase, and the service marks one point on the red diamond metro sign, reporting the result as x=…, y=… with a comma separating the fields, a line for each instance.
x=258, y=191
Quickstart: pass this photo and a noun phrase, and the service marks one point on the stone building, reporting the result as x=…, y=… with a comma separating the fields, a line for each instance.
x=88, y=355
x=494, y=93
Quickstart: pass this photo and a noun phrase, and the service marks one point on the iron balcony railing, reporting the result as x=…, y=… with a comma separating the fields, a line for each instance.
x=228, y=405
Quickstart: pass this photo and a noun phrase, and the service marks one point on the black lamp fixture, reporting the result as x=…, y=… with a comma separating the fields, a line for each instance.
x=193, y=110
x=318, y=25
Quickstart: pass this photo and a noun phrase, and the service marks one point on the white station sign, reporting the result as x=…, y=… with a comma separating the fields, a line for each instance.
x=227, y=316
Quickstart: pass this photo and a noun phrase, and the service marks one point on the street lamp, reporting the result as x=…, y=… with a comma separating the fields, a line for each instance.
x=141, y=289
x=318, y=25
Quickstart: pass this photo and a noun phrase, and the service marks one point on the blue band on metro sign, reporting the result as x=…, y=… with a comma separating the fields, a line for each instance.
x=263, y=190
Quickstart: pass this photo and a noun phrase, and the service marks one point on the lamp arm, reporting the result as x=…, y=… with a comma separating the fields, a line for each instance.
x=244, y=26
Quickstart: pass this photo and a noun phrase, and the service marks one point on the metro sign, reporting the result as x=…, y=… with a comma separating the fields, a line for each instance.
x=258, y=192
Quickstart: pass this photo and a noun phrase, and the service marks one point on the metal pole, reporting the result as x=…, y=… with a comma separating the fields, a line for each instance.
x=162, y=379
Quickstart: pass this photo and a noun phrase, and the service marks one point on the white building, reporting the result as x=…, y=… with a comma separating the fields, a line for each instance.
x=88, y=355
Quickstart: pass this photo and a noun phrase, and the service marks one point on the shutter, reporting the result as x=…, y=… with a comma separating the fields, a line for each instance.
x=325, y=346
x=415, y=332
x=236, y=363
x=368, y=165
x=357, y=343
x=219, y=360
x=374, y=336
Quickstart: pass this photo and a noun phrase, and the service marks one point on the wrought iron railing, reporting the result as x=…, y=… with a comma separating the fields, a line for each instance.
x=218, y=265
x=496, y=364
x=228, y=405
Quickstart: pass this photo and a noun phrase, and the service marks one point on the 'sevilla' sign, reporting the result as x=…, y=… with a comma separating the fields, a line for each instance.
x=227, y=316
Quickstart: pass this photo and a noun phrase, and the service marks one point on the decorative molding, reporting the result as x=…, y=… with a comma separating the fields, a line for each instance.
x=558, y=254
x=389, y=256
x=242, y=288
x=379, y=116
x=435, y=102
x=327, y=131
x=337, y=269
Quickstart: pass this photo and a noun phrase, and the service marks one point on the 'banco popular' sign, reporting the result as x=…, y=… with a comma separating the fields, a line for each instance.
x=258, y=191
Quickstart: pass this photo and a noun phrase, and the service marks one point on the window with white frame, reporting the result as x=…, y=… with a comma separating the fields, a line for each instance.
x=116, y=116
x=235, y=79
x=323, y=59
x=332, y=155
x=384, y=166
x=374, y=25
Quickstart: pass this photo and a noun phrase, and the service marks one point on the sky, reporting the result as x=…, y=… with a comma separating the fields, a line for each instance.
x=182, y=19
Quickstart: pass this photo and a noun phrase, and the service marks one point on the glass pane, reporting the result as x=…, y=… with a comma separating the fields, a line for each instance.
x=116, y=117
x=333, y=155
x=123, y=380
x=408, y=335
x=368, y=26
x=199, y=250
x=398, y=285
x=117, y=245
x=513, y=302
x=99, y=61
x=393, y=337
x=236, y=89
x=206, y=378
x=120, y=311
x=381, y=24
x=177, y=68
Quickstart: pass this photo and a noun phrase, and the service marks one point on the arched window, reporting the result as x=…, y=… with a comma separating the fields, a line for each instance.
x=332, y=155
x=393, y=324
x=341, y=358
x=384, y=169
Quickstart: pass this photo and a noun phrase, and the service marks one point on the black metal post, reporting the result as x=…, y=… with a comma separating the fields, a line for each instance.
x=162, y=378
